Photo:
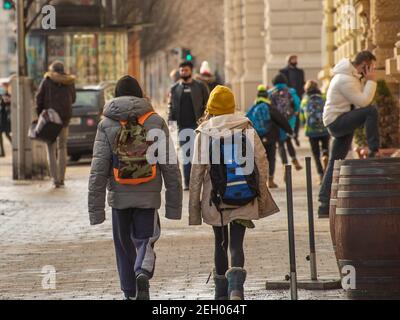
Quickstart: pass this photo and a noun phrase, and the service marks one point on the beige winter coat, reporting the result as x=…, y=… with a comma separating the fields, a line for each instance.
x=200, y=207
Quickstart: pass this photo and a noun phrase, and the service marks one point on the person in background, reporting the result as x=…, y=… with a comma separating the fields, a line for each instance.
x=267, y=121
x=348, y=107
x=57, y=91
x=207, y=77
x=296, y=80
x=287, y=102
x=311, y=115
x=5, y=120
x=187, y=101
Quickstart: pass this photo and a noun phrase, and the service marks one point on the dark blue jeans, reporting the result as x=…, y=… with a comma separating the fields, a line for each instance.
x=135, y=232
x=342, y=129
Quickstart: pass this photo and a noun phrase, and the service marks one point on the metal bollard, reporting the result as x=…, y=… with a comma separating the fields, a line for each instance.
x=292, y=250
x=312, y=257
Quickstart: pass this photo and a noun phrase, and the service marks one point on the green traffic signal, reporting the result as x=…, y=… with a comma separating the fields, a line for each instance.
x=189, y=57
x=7, y=5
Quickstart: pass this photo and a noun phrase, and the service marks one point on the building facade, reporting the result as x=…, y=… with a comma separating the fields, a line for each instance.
x=261, y=34
x=351, y=26
x=8, y=56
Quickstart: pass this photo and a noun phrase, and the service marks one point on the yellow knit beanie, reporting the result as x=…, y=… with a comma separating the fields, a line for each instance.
x=221, y=101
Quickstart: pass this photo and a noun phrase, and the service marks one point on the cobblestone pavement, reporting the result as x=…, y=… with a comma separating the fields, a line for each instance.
x=40, y=226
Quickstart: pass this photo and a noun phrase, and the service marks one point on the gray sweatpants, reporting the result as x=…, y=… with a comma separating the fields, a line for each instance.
x=57, y=153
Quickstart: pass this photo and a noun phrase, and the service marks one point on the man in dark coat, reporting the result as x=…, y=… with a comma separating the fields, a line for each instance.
x=297, y=81
x=57, y=92
x=187, y=102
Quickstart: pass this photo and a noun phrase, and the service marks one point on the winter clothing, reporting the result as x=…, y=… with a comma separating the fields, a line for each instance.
x=221, y=286
x=205, y=68
x=199, y=93
x=57, y=153
x=295, y=78
x=233, y=237
x=200, y=207
x=209, y=80
x=5, y=116
x=345, y=90
x=312, y=130
x=342, y=129
x=236, y=278
x=128, y=86
x=221, y=102
x=135, y=232
x=320, y=146
x=296, y=106
x=144, y=196
x=57, y=91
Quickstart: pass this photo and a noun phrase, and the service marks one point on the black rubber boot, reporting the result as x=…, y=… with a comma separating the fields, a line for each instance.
x=221, y=286
x=236, y=278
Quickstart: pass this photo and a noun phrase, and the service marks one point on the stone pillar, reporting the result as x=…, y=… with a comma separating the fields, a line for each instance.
x=229, y=39
x=237, y=46
x=385, y=17
x=328, y=46
x=253, y=51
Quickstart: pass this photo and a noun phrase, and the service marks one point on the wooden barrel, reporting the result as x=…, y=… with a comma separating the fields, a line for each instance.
x=367, y=226
x=333, y=201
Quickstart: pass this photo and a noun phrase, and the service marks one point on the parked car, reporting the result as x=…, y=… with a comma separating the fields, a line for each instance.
x=86, y=114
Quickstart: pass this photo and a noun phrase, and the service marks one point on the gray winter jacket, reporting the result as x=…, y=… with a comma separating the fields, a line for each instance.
x=147, y=195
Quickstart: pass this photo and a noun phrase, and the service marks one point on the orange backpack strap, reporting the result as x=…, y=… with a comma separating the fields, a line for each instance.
x=144, y=117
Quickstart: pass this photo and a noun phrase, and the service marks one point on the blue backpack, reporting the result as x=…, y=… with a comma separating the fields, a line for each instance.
x=315, y=110
x=260, y=117
x=230, y=185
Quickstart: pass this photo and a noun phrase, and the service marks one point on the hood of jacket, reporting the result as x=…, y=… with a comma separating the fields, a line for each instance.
x=221, y=126
x=208, y=78
x=345, y=66
x=126, y=107
x=64, y=79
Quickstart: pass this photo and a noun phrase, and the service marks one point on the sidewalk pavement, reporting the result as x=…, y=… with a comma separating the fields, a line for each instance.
x=41, y=226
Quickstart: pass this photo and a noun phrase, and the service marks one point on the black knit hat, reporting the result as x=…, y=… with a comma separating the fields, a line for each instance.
x=280, y=78
x=128, y=86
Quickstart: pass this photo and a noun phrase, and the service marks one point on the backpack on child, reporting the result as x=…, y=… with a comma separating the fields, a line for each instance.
x=314, y=110
x=130, y=165
x=283, y=101
x=230, y=184
x=260, y=116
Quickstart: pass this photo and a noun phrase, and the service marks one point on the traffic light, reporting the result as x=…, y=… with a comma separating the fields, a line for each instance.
x=187, y=55
x=8, y=4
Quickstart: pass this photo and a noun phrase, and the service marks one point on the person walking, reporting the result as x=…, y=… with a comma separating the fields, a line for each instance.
x=228, y=202
x=134, y=186
x=267, y=121
x=187, y=100
x=311, y=115
x=348, y=107
x=296, y=80
x=5, y=121
x=57, y=91
x=287, y=102
x=207, y=77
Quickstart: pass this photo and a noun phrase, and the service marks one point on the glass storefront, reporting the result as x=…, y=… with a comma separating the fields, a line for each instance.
x=92, y=57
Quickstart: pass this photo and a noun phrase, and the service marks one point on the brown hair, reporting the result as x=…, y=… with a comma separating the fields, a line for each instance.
x=310, y=86
x=364, y=56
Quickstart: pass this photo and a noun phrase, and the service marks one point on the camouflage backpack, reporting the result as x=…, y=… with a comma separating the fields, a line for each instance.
x=130, y=164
